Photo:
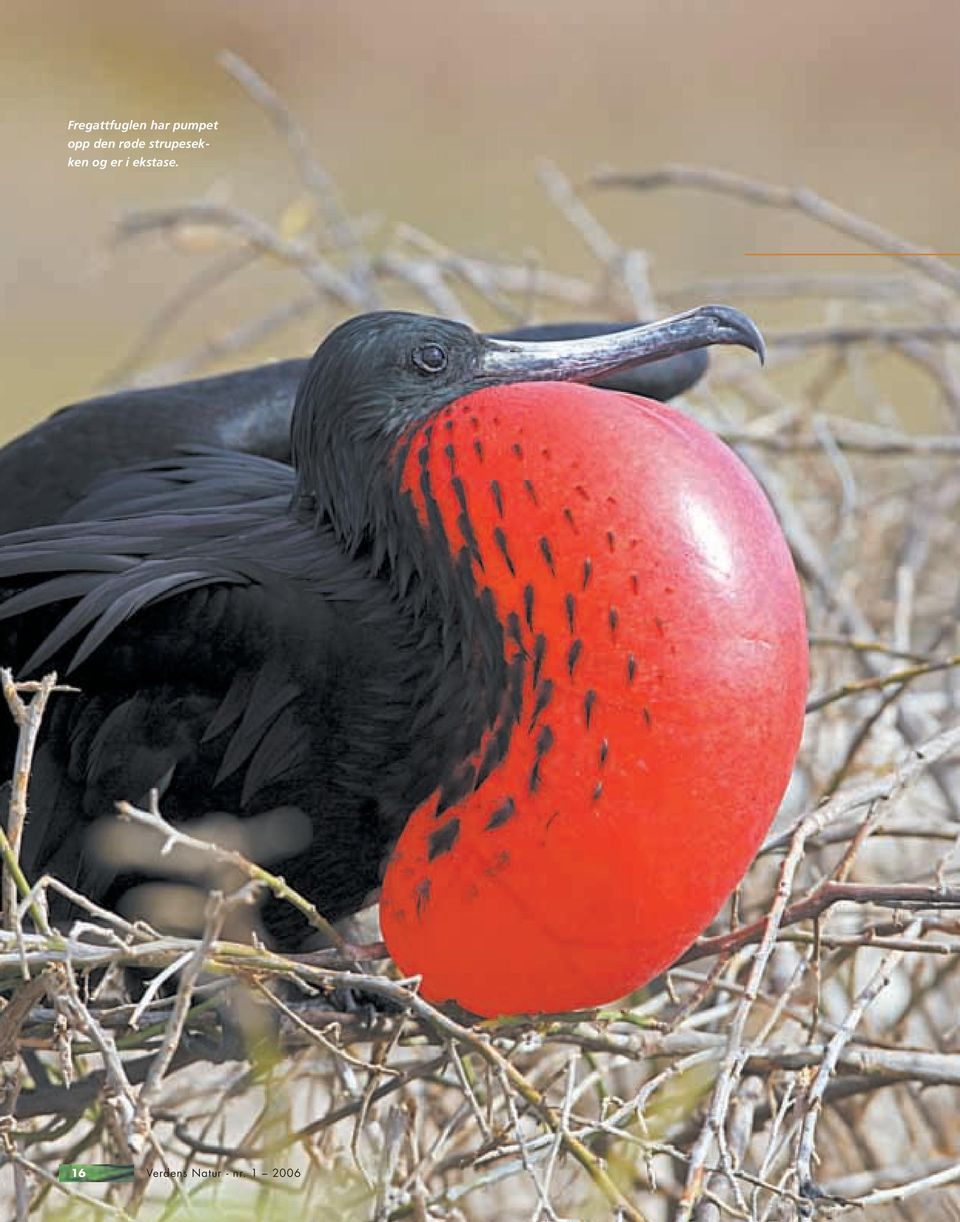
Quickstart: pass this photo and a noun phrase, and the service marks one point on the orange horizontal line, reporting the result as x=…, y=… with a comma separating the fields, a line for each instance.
x=852, y=254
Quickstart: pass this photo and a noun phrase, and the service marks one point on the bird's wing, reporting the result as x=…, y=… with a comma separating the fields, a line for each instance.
x=195, y=477
x=147, y=534
x=209, y=637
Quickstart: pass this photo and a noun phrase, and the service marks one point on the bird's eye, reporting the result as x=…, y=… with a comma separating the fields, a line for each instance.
x=430, y=358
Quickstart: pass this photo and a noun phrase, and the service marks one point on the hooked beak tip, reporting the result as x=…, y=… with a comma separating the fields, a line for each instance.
x=734, y=327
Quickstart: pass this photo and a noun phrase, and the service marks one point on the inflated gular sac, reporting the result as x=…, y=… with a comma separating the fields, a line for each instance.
x=654, y=637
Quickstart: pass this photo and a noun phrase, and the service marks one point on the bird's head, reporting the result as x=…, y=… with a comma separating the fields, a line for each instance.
x=379, y=375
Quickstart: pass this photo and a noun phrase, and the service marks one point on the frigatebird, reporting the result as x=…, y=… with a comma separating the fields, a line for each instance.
x=52, y=466
x=477, y=590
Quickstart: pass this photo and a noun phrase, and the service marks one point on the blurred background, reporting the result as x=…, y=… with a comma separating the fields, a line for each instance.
x=435, y=114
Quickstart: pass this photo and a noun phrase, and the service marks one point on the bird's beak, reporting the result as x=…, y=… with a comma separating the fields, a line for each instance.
x=580, y=360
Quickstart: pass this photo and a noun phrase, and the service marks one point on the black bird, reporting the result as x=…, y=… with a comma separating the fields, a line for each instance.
x=53, y=465
x=251, y=636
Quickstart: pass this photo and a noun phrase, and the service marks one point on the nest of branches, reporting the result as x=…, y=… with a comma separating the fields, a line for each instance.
x=800, y=1058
